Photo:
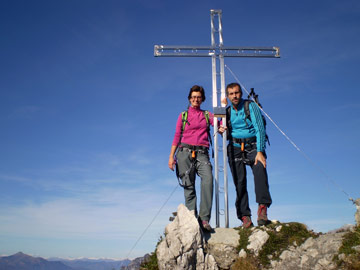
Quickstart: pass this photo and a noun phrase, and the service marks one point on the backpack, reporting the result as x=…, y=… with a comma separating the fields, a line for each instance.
x=247, y=116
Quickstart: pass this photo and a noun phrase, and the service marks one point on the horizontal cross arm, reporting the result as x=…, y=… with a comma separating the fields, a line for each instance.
x=191, y=51
x=250, y=51
x=206, y=51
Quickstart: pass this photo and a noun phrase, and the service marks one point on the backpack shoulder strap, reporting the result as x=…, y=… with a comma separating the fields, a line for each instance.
x=207, y=118
x=228, y=110
x=228, y=122
x=206, y=114
x=228, y=115
x=247, y=109
x=184, y=116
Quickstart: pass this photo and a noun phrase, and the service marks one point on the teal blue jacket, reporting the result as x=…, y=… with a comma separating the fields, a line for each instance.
x=255, y=127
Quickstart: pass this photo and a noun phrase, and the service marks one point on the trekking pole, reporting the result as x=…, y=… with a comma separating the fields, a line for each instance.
x=252, y=95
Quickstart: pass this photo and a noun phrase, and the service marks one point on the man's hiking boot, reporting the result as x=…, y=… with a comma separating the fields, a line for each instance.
x=206, y=225
x=247, y=223
x=262, y=215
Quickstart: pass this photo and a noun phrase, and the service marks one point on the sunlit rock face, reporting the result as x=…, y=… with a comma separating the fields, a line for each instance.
x=186, y=246
x=315, y=253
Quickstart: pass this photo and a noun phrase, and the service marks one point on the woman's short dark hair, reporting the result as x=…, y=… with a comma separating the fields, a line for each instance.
x=197, y=88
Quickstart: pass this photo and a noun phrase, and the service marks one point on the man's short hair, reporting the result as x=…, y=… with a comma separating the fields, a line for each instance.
x=197, y=88
x=232, y=85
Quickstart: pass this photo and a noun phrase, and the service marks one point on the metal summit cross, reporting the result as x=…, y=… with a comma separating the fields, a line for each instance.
x=217, y=52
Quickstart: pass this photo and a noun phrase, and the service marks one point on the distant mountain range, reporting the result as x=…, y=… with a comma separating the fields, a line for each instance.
x=21, y=261
x=92, y=264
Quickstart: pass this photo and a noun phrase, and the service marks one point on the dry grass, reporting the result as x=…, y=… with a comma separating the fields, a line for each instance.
x=249, y=263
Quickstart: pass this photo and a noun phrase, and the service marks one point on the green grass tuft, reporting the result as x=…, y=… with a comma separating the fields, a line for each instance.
x=350, y=239
x=151, y=263
x=292, y=233
x=244, y=238
x=352, y=259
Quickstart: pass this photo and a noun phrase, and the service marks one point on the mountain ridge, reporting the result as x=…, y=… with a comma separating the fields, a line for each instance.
x=22, y=261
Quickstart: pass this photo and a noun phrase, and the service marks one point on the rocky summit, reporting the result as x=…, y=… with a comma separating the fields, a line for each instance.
x=277, y=246
x=184, y=246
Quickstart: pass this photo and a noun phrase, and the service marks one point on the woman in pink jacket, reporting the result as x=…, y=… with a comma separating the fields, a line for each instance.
x=191, y=141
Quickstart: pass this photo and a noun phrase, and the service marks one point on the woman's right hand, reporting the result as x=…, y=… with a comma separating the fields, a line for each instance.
x=171, y=163
x=221, y=129
x=224, y=101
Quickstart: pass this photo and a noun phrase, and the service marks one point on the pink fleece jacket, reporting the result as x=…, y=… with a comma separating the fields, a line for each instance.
x=195, y=132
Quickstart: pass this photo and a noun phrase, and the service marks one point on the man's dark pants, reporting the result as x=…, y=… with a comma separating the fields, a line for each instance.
x=238, y=161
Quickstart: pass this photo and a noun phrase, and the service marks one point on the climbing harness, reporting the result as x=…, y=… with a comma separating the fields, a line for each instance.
x=193, y=152
x=246, y=147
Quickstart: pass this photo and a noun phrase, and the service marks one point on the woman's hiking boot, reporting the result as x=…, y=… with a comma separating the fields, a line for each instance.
x=206, y=226
x=262, y=215
x=247, y=223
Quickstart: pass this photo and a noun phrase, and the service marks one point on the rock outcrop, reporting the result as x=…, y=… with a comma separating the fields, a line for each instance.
x=291, y=246
x=184, y=245
x=313, y=254
x=222, y=244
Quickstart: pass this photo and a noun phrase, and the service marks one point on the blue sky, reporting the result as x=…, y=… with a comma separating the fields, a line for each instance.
x=87, y=115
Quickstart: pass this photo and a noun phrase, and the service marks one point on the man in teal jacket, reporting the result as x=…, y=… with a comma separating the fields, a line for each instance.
x=247, y=140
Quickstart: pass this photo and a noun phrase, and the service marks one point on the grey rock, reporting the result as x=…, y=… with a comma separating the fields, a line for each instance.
x=183, y=245
x=314, y=253
x=222, y=246
x=345, y=228
x=257, y=239
x=242, y=253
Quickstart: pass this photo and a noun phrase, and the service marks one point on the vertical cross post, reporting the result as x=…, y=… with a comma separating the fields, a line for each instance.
x=217, y=52
x=218, y=79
